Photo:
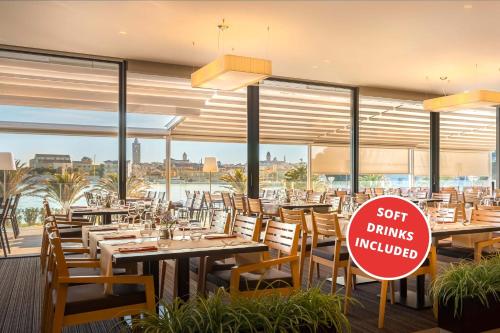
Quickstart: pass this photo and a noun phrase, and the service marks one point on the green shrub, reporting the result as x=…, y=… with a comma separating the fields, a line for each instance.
x=30, y=216
x=304, y=311
x=467, y=279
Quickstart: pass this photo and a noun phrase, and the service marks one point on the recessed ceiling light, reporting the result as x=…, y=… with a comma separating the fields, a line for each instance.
x=326, y=61
x=315, y=66
x=468, y=6
x=122, y=32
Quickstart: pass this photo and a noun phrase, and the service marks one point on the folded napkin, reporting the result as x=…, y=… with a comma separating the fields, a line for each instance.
x=219, y=236
x=133, y=249
x=118, y=237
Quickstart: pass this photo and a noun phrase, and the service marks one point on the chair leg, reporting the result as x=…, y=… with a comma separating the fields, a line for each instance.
x=383, y=300
x=393, y=295
x=162, y=277
x=6, y=238
x=348, y=291
x=3, y=244
x=317, y=272
x=202, y=276
x=335, y=273
x=311, y=272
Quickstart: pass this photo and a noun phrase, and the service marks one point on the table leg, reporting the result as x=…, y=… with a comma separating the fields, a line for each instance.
x=106, y=218
x=182, y=276
x=415, y=300
x=153, y=268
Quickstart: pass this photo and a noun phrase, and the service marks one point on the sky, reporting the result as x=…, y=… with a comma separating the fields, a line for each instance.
x=25, y=146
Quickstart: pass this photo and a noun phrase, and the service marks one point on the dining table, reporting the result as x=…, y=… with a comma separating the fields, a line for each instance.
x=149, y=254
x=271, y=207
x=418, y=300
x=105, y=212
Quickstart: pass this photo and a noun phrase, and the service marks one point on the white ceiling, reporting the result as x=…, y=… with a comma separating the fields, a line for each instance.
x=405, y=44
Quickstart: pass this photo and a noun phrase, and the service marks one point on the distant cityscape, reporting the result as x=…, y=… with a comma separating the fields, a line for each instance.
x=181, y=169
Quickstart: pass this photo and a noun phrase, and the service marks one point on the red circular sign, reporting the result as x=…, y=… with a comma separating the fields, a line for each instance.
x=388, y=237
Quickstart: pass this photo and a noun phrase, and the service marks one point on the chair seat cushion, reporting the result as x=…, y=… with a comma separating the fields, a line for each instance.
x=91, y=297
x=326, y=252
x=215, y=265
x=321, y=243
x=71, y=233
x=249, y=281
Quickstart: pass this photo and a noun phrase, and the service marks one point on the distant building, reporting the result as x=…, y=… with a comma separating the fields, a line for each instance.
x=50, y=161
x=86, y=166
x=268, y=157
x=112, y=167
x=185, y=157
x=136, y=152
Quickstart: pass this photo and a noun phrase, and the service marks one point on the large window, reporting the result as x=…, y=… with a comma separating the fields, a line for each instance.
x=59, y=118
x=295, y=117
x=394, y=139
x=467, y=145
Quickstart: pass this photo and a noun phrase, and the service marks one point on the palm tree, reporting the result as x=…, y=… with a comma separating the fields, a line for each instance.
x=237, y=181
x=20, y=181
x=135, y=186
x=298, y=175
x=65, y=188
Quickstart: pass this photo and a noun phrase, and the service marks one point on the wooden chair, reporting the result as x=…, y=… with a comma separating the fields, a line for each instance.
x=298, y=217
x=265, y=277
x=361, y=198
x=254, y=207
x=81, y=299
x=12, y=215
x=336, y=204
x=486, y=216
x=239, y=204
x=453, y=194
x=444, y=197
x=4, y=239
x=245, y=227
x=335, y=256
x=341, y=193
x=377, y=191
x=269, y=194
x=221, y=221
x=227, y=202
x=315, y=197
x=428, y=267
x=197, y=209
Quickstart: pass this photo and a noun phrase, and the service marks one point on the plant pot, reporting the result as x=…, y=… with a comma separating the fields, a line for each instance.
x=475, y=316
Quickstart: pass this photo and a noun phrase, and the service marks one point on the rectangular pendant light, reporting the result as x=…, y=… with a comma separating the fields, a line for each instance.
x=466, y=100
x=231, y=72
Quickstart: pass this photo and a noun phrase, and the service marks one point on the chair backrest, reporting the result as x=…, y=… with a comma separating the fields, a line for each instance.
x=199, y=201
x=283, y=237
x=189, y=200
x=46, y=208
x=57, y=252
x=445, y=215
x=453, y=194
x=13, y=205
x=335, y=202
x=247, y=227
x=226, y=200
x=326, y=224
x=269, y=194
x=421, y=194
x=221, y=221
x=254, y=207
x=239, y=203
x=294, y=216
x=340, y=193
x=445, y=197
x=472, y=197
x=315, y=197
x=6, y=209
x=208, y=198
x=378, y=191
x=485, y=215
x=361, y=198
x=459, y=210
x=482, y=207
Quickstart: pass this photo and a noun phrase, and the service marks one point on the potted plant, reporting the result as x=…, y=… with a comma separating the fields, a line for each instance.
x=304, y=311
x=468, y=296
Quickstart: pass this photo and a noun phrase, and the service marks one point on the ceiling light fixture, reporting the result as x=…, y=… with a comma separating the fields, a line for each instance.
x=122, y=32
x=465, y=100
x=468, y=6
x=231, y=72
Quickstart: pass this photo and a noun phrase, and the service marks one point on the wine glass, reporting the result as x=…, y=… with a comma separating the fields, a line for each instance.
x=183, y=223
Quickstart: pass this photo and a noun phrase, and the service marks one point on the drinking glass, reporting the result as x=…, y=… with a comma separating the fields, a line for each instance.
x=468, y=213
x=146, y=230
x=164, y=238
x=124, y=222
x=183, y=223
